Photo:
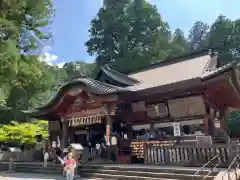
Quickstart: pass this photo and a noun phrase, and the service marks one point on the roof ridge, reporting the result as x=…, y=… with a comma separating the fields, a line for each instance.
x=207, y=66
x=222, y=68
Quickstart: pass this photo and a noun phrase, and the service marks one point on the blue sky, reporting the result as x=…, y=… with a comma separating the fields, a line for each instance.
x=72, y=21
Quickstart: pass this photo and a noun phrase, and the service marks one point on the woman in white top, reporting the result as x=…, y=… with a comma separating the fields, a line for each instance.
x=97, y=148
x=46, y=156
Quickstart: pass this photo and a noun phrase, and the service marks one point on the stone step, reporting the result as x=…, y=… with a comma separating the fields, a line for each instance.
x=40, y=166
x=142, y=168
x=120, y=177
x=39, y=171
x=126, y=174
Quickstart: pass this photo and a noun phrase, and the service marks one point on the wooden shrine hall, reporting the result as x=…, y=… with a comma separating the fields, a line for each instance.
x=191, y=90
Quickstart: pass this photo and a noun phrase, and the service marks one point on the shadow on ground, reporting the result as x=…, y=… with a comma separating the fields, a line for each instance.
x=25, y=176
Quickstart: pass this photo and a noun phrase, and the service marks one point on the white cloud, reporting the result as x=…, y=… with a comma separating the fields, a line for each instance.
x=48, y=58
x=51, y=59
x=60, y=65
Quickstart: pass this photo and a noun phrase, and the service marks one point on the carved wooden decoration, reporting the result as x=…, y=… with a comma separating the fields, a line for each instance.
x=75, y=92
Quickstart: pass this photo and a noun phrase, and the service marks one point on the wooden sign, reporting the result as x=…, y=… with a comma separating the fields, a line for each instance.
x=162, y=110
x=157, y=110
x=187, y=107
x=138, y=106
x=152, y=111
x=82, y=121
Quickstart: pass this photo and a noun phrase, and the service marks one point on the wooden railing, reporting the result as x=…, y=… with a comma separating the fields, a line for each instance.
x=187, y=155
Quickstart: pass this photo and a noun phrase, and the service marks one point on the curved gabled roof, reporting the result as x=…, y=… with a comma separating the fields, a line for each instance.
x=94, y=87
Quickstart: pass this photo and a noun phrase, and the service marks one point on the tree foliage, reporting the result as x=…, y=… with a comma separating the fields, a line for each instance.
x=22, y=75
x=128, y=35
x=23, y=133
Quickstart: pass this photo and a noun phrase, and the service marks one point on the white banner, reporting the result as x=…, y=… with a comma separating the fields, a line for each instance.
x=176, y=129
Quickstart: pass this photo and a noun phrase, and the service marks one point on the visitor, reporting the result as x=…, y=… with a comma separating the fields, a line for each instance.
x=64, y=165
x=90, y=148
x=198, y=132
x=46, y=157
x=98, y=148
x=103, y=151
x=70, y=165
x=114, y=148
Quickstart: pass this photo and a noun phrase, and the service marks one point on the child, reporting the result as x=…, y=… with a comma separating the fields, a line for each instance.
x=70, y=166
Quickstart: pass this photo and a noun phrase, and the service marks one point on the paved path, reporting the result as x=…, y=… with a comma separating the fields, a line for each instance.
x=25, y=176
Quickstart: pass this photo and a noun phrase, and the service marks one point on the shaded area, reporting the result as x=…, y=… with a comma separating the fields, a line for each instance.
x=26, y=176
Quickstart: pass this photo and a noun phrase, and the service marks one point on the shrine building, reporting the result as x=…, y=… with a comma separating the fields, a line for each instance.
x=191, y=90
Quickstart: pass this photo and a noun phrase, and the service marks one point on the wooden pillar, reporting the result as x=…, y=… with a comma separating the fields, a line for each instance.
x=130, y=132
x=206, y=125
x=64, y=134
x=108, y=124
x=223, y=119
x=206, y=120
x=152, y=129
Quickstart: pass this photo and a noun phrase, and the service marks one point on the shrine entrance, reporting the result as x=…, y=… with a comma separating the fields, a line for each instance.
x=96, y=133
x=88, y=133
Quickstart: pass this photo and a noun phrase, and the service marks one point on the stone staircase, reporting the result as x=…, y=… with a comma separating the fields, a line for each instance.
x=142, y=172
x=118, y=172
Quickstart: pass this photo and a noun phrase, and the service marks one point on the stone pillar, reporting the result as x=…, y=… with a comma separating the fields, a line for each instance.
x=64, y=134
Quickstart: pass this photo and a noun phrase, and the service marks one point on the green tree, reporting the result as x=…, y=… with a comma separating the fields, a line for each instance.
x=198, y=36
x=77, y=67
x=234, y=123
x=179, y=44
x=223, y=36
x=24, y=133
x=21, y=74
x=128, y=35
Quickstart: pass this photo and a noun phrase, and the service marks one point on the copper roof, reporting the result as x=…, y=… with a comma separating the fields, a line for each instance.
x=169, y=74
